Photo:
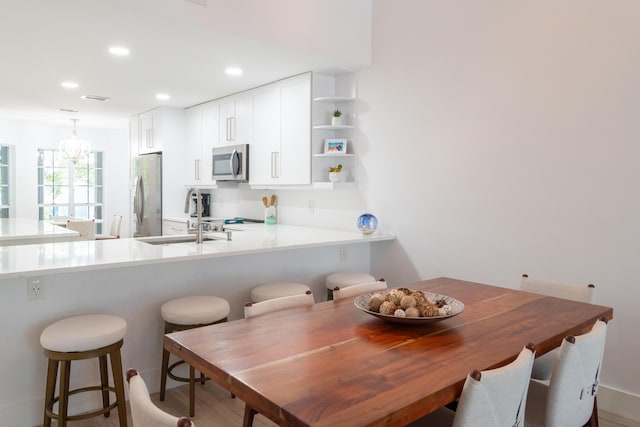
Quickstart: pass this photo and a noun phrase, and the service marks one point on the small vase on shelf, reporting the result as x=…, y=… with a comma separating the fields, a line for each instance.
x=335, y=173
x=335, y=176
x=336, y=119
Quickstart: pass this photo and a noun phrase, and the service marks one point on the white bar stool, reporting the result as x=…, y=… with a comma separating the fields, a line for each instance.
x=79, y=338
x=344, y=280
x=277, y=290
x=185, y=313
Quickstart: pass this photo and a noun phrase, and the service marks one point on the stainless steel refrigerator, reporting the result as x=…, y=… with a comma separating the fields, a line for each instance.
x=147, y=195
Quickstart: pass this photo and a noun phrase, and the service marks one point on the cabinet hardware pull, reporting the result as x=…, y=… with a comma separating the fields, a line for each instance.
x=197, y=167
x=275, y=157
x=232, y=128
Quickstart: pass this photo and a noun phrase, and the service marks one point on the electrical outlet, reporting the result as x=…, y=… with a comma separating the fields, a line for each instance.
x=311, y=206
x=343, y=253
x=35, y=288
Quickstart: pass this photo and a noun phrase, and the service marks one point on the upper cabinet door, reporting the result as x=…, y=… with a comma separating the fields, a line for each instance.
x=150, y=132
x=193, y=148
x=265, y=145
x=235, y=119
x=295, y=134
x=242, y=129
x=210, y=133
x=227, y=112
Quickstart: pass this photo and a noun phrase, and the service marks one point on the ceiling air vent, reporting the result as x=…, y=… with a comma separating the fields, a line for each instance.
x=69, y=110
x=95, y=97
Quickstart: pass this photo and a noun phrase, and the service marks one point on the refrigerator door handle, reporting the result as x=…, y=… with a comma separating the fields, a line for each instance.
x=139, y=197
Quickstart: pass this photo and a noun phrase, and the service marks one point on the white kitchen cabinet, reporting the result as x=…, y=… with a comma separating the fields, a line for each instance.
x=150, y=132
x=265, y=145
x=234, y=119
x=295, y=134
x=201, y=136
x=333, y=91
x=153, y=129
x=173, y=227
x=193, y=146
x=210, y=132
x=280, y=149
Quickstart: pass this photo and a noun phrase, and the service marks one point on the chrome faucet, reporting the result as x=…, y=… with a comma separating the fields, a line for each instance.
x=198, y=211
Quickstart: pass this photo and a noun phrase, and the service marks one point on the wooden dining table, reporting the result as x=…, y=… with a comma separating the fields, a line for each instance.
x=333, y=364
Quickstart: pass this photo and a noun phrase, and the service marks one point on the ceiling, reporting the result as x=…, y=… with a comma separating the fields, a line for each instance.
x=44, y=43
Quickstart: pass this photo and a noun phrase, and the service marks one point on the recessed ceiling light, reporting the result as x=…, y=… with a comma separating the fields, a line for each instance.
x=163, y=96
x=119, y=50
x=69, y=85
x=233, y=71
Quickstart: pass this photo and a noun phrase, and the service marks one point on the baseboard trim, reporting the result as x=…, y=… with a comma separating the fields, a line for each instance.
x=618, y=402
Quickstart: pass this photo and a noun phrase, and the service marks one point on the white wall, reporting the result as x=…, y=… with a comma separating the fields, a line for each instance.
x=28, y=136
x=501, y=138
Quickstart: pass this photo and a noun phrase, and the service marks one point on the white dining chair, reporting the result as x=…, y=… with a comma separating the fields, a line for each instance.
x=86, y=228
x=253, y=309
x=569, y=398
x=492, y=398
x=543, y=365
x=114, y=229
x=143, y=412
x=353, y=290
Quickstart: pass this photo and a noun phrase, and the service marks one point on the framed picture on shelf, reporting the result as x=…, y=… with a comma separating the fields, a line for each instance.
x=335, y=146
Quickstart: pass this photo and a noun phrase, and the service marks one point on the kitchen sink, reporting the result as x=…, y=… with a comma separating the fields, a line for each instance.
x=168, y=240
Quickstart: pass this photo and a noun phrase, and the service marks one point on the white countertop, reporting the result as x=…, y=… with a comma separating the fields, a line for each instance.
x=27, y=230
x=63, y=257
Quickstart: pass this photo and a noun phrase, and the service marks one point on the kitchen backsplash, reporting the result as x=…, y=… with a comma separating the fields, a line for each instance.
x=326, y=209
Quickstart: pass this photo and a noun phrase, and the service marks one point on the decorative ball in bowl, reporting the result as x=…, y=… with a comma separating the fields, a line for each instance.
x=367, y=223
x=407, y=306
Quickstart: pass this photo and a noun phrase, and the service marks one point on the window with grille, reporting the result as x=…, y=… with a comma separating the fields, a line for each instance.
x=66, y=189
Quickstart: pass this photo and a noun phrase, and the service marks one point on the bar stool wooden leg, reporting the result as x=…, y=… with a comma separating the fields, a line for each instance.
x=118, y=383
x=163, y=374
x=104, y=382
x=192, y=391
x=50, y=390
x=63, y=402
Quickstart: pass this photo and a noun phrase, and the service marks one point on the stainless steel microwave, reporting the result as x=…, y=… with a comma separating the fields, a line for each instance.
x=231, y=163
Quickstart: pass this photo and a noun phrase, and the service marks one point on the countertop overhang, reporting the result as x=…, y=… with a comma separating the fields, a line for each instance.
x=65, y=257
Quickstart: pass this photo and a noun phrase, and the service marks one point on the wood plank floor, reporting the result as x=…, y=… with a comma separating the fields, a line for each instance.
x=216, y=408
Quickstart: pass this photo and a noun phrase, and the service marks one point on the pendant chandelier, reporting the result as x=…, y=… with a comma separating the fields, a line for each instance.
x=74, y=148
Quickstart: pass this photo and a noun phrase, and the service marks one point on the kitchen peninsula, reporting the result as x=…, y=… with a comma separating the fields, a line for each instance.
x=132, y=279
x=24, y=231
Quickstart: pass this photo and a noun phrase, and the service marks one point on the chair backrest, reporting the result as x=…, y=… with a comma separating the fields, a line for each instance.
x=143, y=412
x=275, y=304
x=86, y=228
x=574, y=381
x=496, y=397
x=564, y=290
x=353, y=290
x=116, y=223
